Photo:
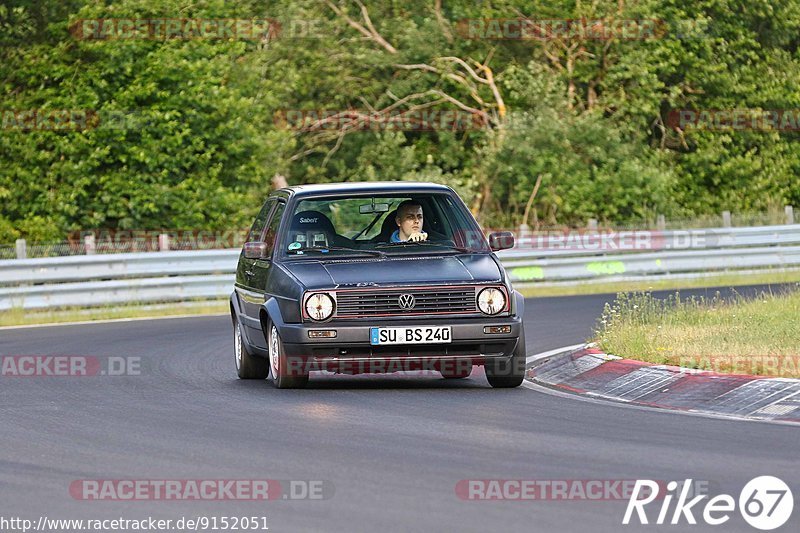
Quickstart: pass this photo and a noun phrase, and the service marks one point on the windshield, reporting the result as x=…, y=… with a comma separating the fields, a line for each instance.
x=382, y=224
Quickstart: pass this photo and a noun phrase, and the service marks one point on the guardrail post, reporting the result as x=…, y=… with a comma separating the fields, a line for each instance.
x=89, y=244
x=163, y=242
x=522, y=231
x=22, y=249
x=789, y=214
x=661, y=223
x=726, y=219
x=592, y=224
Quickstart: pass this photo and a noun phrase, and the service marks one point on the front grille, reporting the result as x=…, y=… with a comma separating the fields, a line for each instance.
x=353, y=304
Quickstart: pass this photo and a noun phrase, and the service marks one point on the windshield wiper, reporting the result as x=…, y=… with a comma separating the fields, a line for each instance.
x=405, y=244
x=326, y=249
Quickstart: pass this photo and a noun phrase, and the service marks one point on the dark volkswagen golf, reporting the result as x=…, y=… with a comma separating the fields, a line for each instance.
x=371, y=278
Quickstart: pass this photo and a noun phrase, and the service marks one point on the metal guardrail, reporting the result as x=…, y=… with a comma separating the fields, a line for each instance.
x=99, y=293
x=117, y=266
x=179, y=276
x=650, y=264
x=577, y=243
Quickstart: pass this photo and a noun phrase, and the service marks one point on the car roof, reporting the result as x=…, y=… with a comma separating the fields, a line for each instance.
x=365, y=187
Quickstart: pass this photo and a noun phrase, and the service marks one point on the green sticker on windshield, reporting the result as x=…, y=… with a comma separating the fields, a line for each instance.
x=295, y=246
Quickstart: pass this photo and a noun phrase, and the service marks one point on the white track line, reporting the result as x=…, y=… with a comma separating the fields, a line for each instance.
x=533, y=358
x=109, y=321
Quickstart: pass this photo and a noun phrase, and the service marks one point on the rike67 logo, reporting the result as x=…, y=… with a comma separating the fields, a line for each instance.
x=765, y=503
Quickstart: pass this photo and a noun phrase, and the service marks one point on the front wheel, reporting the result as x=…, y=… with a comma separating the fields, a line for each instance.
x=508, y=373
x=284, y=375
x=247, y=366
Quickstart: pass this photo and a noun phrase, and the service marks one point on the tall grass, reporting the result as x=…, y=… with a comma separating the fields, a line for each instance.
x=706, y=332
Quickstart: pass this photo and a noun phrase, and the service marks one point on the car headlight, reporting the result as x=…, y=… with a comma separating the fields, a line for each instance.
x=491, y=301
x=319, y=306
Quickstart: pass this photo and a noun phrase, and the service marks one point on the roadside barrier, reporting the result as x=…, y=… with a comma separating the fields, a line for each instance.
x=537, y=258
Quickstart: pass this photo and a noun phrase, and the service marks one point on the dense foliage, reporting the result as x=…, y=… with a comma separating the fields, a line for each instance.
x=189, y=132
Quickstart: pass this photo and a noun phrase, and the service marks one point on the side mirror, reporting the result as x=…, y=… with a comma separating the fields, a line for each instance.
x=255, y=250
x=501, y=240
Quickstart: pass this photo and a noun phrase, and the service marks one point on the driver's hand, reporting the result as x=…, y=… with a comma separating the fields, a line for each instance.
x=418, y=236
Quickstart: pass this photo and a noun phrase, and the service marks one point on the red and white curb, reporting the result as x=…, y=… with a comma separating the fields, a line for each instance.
x=588, y=371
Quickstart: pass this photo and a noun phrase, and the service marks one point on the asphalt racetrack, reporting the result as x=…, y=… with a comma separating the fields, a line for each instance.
x=391, y=450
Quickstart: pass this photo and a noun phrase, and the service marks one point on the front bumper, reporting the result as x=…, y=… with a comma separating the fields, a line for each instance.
x=352, y=343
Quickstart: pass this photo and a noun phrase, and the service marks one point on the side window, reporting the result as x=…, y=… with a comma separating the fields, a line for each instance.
x=274, y=224
x=463, y=227
x=260, y=222
x=440, y=208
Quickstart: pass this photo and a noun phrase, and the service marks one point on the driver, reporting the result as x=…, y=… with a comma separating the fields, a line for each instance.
x=409, y=223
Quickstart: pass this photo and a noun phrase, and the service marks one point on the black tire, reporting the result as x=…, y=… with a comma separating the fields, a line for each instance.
x=510, y=372
x=247, y=366
x=455, y=369
x=284, y=375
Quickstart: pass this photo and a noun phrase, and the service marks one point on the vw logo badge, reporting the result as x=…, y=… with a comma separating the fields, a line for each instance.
x=406, y=301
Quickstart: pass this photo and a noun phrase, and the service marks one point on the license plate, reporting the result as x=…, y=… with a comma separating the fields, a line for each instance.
x=413, y=335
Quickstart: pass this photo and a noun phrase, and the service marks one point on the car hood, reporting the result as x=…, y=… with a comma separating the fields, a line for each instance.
x=478, y=268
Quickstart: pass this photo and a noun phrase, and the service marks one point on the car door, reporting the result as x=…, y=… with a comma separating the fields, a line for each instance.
x=250, y=297
x=263, y=267
x=259, y=271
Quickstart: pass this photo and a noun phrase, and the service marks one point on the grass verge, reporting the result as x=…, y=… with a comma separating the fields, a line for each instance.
x=759, y=336
x=21, y=317
x=722, y=280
